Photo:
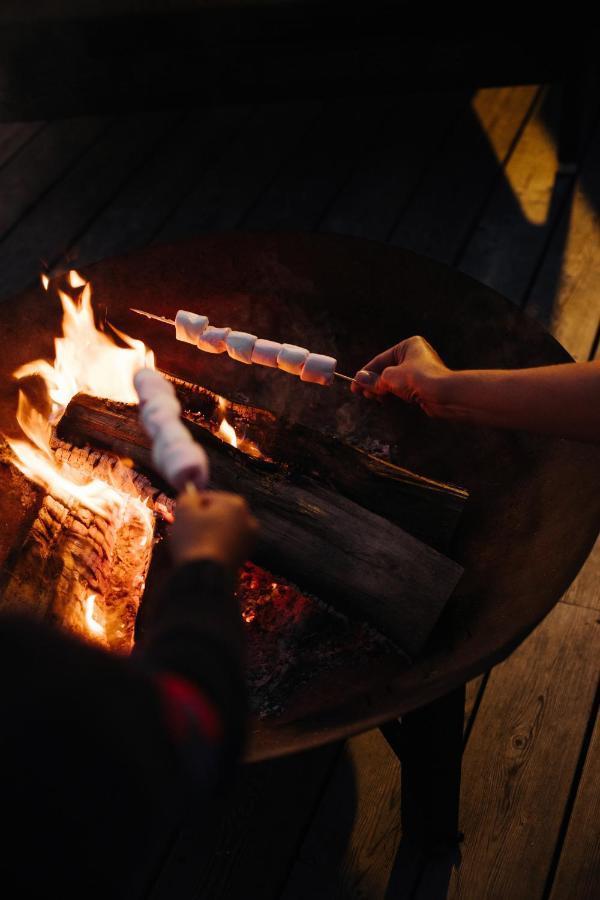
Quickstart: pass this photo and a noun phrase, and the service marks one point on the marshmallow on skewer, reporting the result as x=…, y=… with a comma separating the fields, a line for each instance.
x=291, y=358
x=319, y=369
x=266, y=353
x=156, y=413
x=213, y=340
x=149, y=383
x=189, y=326
x=175, y=454
x=240, y=345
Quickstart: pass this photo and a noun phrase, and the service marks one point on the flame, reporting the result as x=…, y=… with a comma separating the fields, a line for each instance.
x=45, y=281
x=75, y=279
x=227, y=433
x=86, y=359
x=94, y=627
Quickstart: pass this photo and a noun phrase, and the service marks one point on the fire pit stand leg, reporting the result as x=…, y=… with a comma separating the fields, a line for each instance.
x=429, y=745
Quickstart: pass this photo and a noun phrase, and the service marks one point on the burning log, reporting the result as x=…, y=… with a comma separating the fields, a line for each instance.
x=83, y=568
x=315, y=528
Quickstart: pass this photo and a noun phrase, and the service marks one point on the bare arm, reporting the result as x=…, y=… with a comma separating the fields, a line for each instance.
x=562, y=400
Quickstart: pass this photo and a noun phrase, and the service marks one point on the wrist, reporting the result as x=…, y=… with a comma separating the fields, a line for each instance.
x=438, y=392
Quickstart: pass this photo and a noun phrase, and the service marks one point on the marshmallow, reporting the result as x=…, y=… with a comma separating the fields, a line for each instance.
x=266, y=353
x=240, y=345
x=157, y=412
x=212, y=340
x=148, y=383
x=174, y=452
x=181, y=463
x=292, y=358
x=318, y=369
x=189, y=326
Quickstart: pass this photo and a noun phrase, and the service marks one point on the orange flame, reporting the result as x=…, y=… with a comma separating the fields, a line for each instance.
x=86, y=359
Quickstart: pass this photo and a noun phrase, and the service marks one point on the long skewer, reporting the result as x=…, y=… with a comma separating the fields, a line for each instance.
x=166, y=321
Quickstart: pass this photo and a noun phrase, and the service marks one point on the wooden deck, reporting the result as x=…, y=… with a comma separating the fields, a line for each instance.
x=468, y=178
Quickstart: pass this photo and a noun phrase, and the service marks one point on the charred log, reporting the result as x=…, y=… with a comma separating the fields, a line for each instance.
x=84, y=570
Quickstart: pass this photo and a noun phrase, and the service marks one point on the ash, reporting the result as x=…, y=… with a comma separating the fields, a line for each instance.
x=291, y=637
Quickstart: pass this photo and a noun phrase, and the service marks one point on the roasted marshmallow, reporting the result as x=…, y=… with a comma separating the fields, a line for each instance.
x=266, y=353
x=240, y=345
x=189, y=326
x=213, y=339
x=318, y=369
x=291, y=358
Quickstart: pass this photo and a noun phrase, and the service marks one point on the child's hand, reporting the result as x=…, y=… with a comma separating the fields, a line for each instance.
x=212, y=525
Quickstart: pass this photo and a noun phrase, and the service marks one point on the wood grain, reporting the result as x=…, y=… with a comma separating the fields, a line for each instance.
x=49, y=228
x=578, y=873
x=254, y=835
x=521, y=758
x=585, y=590
x=469, y=163
x=223, y=194
x=566, y=294
x=510, y=237
x=387, y=176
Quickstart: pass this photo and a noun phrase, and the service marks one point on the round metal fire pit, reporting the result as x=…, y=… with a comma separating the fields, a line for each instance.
x=534, y=509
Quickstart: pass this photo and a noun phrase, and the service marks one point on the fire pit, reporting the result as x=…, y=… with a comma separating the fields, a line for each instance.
x=530, y=499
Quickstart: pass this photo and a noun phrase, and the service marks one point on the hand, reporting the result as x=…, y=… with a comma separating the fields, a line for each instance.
x=411, y=370
x=212, y=525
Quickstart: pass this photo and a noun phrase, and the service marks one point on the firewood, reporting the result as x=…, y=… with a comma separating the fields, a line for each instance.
x=83, y=570
x=310, y=532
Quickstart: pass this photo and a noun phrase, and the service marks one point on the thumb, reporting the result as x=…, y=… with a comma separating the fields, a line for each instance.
x=393, y=380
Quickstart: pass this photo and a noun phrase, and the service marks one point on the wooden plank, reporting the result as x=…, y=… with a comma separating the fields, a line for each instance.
x=14, y=135
x=565, y=295
x=585, y=590
x=446, y=206
x=50, y=227
x=355, y=857
x=301, y=193
x=535, y=703
x=42, y=162
x=511, y=235
x=389, y=174
x=252, y=843
x=226, y=191
x=362, y=855
x=152, y=195
x=578, y=873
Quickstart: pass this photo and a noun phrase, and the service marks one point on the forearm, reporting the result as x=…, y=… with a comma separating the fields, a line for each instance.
x=562, y=400
x=196, y=633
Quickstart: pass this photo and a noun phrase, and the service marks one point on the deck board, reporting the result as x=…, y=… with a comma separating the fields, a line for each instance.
x=579, y=864
x=230, y=187
x=446, y=208
x=44, y=234
x=511, y=810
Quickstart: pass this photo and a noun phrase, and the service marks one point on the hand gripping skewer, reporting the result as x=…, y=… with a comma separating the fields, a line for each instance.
x=166, y=321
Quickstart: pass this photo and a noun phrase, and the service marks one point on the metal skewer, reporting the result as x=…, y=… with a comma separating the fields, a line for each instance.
x=166, y=321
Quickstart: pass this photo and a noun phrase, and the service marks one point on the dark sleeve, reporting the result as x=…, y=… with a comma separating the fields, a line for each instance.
x=194, y=638
x=101, y=756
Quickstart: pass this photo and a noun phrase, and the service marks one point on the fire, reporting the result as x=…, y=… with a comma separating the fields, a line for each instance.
x=89, y=360
x=227, y=433
x=94, y=627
